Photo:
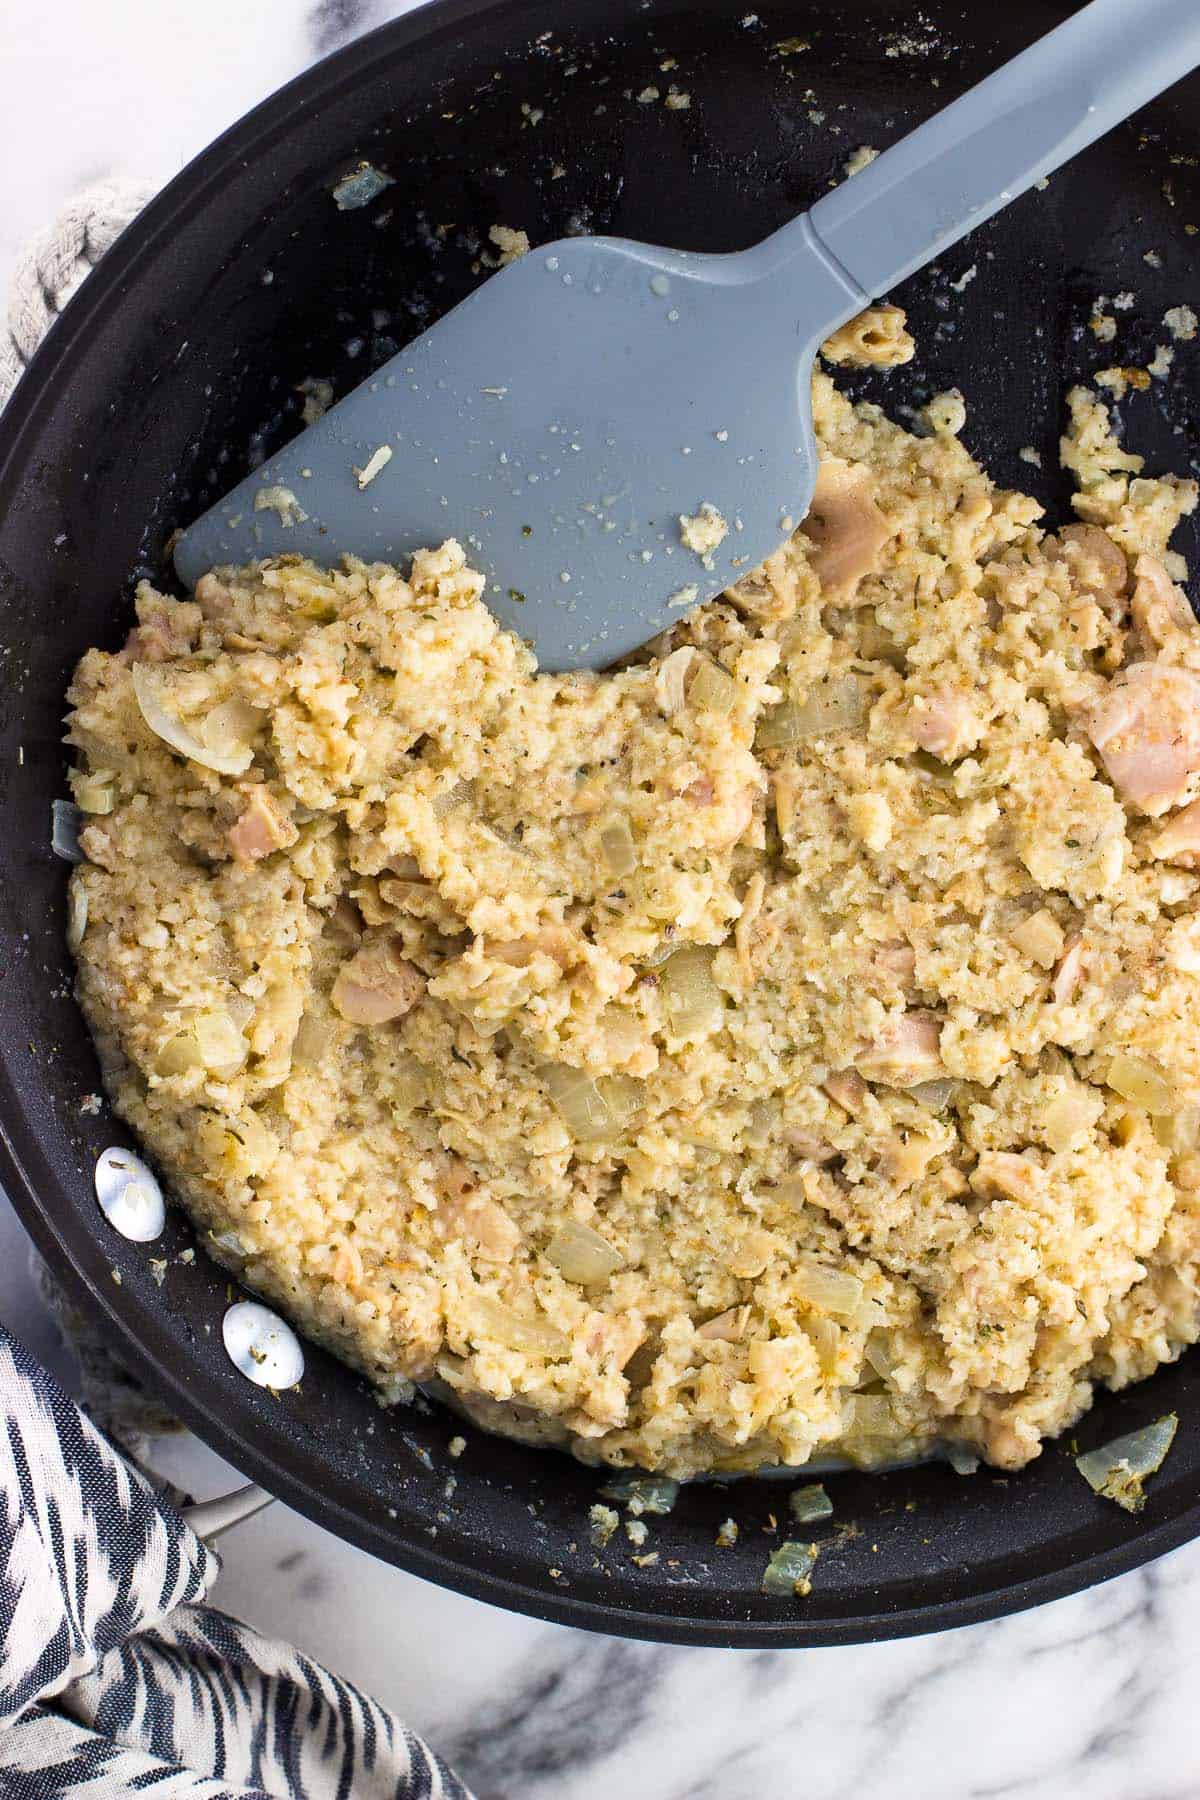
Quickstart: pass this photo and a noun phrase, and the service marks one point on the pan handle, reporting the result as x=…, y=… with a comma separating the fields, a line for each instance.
x=1015, y=127
x=209, y=1518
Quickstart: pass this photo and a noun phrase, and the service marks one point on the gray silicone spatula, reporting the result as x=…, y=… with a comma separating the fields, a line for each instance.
x=563, y=418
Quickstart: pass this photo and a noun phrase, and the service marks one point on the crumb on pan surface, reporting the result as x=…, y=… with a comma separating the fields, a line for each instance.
x=782, y=1045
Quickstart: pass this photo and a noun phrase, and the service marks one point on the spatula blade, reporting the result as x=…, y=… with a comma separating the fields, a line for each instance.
x=559, y=422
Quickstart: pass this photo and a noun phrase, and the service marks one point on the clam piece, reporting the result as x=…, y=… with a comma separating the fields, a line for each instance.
x=907, y=1051
x=377, y=984
x=1147, y=732
x=262, y=828
x=945, y=725
x=844, y=525
x=1179, y=839
x=848, y=1089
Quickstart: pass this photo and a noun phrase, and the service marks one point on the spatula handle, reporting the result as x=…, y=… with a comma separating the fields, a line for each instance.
x=1027, y=119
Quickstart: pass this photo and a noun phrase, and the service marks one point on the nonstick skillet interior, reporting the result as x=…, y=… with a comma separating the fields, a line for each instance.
x=178, y=365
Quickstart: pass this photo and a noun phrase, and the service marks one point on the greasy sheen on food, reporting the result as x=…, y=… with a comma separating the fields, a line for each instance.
x=786, y=1044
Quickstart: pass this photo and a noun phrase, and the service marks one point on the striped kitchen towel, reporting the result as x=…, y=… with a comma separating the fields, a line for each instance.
x=115, y=1679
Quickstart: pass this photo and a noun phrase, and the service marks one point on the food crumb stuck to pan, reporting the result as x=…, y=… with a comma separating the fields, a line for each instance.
x=1118, y=1471
x=359, y=188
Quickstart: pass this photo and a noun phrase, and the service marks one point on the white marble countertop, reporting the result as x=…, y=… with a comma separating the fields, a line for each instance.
x=1089, y=1697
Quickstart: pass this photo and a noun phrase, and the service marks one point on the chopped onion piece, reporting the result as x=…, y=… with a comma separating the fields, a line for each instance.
x=827, y=1342
x=179, y=1054
x=832, y=1290
x=727, y=1327
x=934, y=1094
x=808, y=1504
x=793, y=1190
x=456, y=796
x=230, y=1243
x=147, y=688
x=408, y=1087
x=788, y=1570
x=77, y=915
x=1138, y=1080
x=847, y=1089
x=209, y=1040
x=694, y=1003
x=1179, y=1132
x=229, y=727
x=764, y=1123
x=869, y=1415
x=836, y=705
x=578, y=1099
x=517, y=1331
x=879, y=1353
x=670, y=683
x=94, y=793
x=712, y=688
x=868, y=1314
x=592, y=1109
x=1118, y=1470
x=961, y=1459
x=623, y=1095
x=582, y=1255
x=1069, y=1115
x=65, y=818
x=624, y=1032
x=778, y=727
x=640, y=1494
x=616, y=841
x=223, y=1049
x=312, y=1040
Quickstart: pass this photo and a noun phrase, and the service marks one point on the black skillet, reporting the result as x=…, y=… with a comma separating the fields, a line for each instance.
x=178, y=363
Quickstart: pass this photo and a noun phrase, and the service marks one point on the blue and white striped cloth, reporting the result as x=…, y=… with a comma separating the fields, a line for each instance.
x=116, y=1680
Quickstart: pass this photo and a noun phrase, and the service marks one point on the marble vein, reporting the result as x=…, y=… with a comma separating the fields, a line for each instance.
x=332, y=23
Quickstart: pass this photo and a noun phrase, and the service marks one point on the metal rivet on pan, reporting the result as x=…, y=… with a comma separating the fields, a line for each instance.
x=262, y=1346
x=129, y=1195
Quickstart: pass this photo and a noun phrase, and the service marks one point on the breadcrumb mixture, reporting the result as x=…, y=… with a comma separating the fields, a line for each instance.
x=785, y=1044
x=510, y=244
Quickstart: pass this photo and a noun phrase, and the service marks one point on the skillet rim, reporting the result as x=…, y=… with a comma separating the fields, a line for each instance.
x=147, y=1349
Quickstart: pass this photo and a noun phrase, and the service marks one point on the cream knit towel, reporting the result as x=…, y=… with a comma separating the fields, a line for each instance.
x=56, y=262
